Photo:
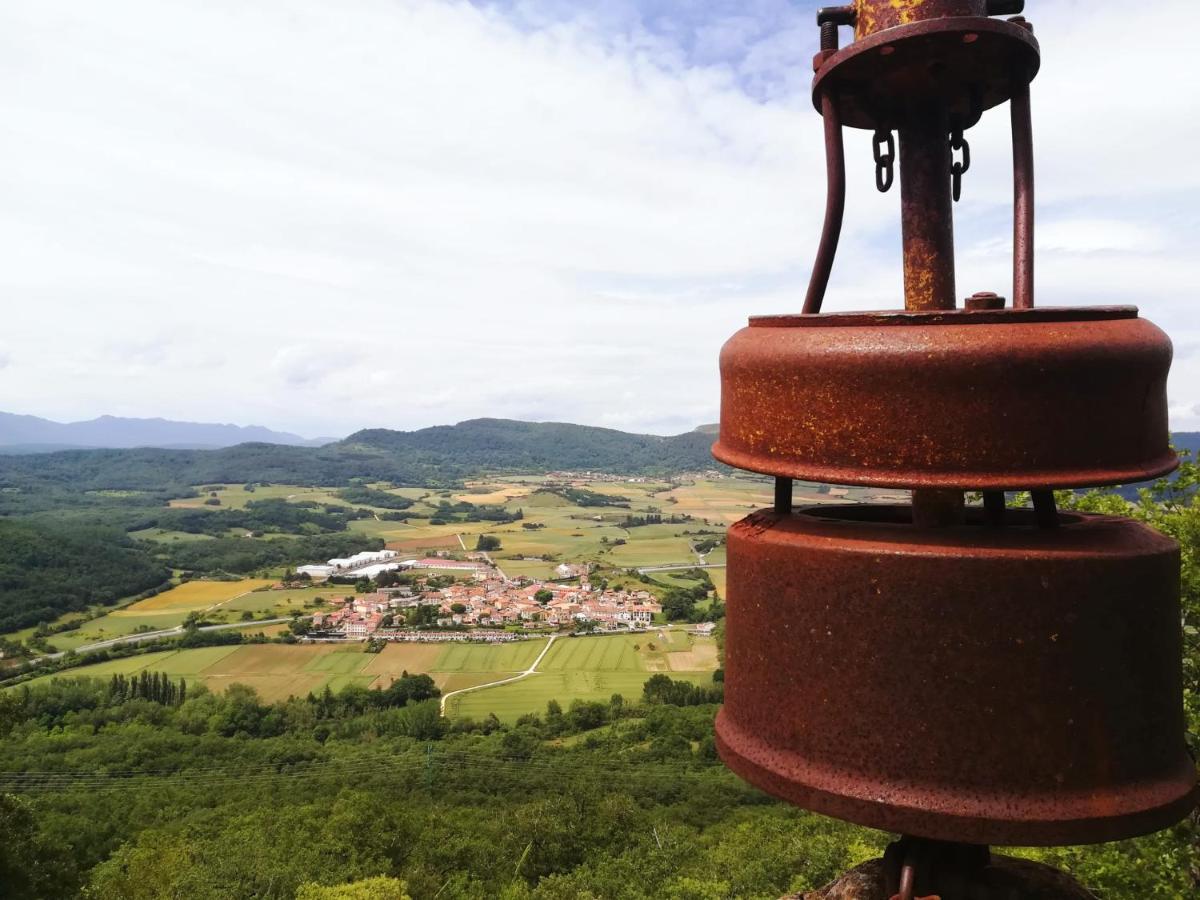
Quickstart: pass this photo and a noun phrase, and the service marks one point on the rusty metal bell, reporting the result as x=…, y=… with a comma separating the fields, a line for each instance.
x=953, y=672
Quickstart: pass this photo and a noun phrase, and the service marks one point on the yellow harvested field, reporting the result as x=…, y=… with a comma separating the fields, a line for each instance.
x=193, y=595
x=436, y=542
x=396, y=659
x=500, y=494
x=702, y=657
x=720, y=501
x=655, y=662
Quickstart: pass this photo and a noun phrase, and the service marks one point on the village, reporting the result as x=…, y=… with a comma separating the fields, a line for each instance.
x=487, y=606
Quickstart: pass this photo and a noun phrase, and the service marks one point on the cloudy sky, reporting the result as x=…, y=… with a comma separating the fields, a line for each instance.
x=323, y=216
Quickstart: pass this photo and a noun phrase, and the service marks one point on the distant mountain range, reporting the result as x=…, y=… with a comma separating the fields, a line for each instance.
x=32, y=434
x=444, y=454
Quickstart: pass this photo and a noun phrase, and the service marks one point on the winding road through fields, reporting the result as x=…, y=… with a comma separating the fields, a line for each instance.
x=532, y=670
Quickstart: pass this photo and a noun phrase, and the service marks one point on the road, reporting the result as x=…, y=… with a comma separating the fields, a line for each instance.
x=151, y=635
x=678, y=567
x=532, y=670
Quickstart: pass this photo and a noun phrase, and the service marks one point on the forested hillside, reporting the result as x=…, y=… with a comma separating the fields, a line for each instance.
x=444, y=454
x=48, y=569
x=213, y=797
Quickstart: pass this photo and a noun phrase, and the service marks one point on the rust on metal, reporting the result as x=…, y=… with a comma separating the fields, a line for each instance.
x=962, y=674
x=965, y=65
x=990, y=685
x=876, y=15
x=926, y=214
x=835, y=205
x=977, y=400
x=1022, y=141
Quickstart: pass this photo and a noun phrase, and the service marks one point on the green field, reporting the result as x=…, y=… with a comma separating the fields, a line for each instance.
x=594, y=668
x=590, y=668
x=569, y=533
x=220, y=602
x=530, y=695
x=502, y=659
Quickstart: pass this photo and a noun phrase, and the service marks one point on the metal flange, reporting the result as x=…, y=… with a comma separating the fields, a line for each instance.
x=1010, y=399
x=964, y=66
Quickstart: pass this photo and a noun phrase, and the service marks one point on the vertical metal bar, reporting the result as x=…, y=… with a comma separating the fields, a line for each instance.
x=926, y=213
x=993, y=507
x=1022, y=139
x=1045, y=511
x=927, y=229
x=835, y=205
x=783, y=496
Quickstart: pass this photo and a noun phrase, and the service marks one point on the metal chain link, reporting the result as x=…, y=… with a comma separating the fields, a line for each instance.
x=958, y=143
x=884, y=159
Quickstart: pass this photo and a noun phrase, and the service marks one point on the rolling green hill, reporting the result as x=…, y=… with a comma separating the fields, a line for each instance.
x=443, y=454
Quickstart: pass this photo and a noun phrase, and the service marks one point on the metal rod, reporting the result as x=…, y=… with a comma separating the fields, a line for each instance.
x=783, y=496
x=926, y=213
x=835, y=205
x=927, y=229
x=1022, y=139
x=993, y=507
x=1045, y=511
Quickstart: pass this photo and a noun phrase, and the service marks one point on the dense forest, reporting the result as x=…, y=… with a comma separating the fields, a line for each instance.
x=47, y=569
x=53, y=563
x=131, y=788
x=439, y=455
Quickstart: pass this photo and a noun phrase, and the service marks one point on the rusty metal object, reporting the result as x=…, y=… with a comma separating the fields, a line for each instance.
x=963, y=674
x=963, y=65
x=871, y=16
x=926, y=213
x=989, y=685
x=982, y=300
x=996, y=399
x=1022, y=140
x=835, y=205
x=1004, y=878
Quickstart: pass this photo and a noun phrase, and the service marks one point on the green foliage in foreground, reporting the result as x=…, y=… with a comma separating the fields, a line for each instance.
x=350, y=794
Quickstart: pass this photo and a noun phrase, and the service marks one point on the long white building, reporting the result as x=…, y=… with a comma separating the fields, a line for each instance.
x=369, y=563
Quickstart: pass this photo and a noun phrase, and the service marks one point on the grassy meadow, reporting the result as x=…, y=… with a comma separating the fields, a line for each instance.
x=218, y=601
x=592, y=667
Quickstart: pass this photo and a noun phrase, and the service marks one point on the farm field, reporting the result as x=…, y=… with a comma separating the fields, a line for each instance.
x=594, y=668
x=193, y=596
x=568, y=533
x=530, y=695
x=585, y=667
x=235, y=496
x=161, y=534
x=170, y=608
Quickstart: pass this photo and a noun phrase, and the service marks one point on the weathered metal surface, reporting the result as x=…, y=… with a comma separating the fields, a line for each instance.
x=981, y=675
x=871, y=16
x=991, y=399
x=926, y=216
x=988, y=685
x=963, y=65
x=1022, y=141
x=835, y=205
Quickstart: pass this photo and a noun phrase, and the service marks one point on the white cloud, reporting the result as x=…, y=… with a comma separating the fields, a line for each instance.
x=398, y=213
